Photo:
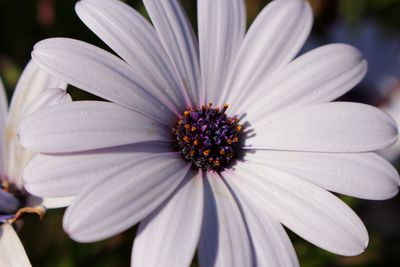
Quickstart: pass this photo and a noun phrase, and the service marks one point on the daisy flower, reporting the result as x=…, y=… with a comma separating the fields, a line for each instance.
x=212, y=145
x=14, y=200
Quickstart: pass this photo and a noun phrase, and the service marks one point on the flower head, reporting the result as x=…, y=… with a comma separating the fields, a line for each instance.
x=195, y=187
x=207, y=138
x=14, y=200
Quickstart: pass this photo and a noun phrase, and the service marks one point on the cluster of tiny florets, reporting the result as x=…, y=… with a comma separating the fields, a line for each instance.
x=207, y=137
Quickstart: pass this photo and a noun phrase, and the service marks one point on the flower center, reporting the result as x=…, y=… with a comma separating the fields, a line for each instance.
x=207, y=137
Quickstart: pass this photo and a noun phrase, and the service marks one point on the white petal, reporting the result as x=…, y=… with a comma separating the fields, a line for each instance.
x=122, y=199
x=32, y=82
x=12, y=253
x=3, y=118
x=126, y=31
x=101, y=73
x=329, y=127
x=65, y=175
x=169, y=236
x=273, y=40
x=306, y=209
x=363, y=175
x=316, y=77
x=8, y=203
x=86, y=125
x=57, y=202
x=224, y=240
x=46, y=98
x=221, y=30
x=177, y=36
x=271, y=245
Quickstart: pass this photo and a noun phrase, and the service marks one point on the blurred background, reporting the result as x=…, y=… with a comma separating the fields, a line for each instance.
x=373, y=26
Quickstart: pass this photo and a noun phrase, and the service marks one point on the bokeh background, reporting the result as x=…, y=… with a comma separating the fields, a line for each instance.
x=373, y=26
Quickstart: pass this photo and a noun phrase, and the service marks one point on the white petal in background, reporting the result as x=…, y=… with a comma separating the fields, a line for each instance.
x=32, y=82
x=169, y=236
x=270, y=243
x=224, y=240
x=85, y=125
x=222, y=26
x=12, y=253
x=308, y=210
x=273, y=40
x=362, y=175
x=47, y=98
x=57, y=202
x=329, y=127
x=177, y=36
x=126, y=31
x=3, y=118
x=319, y=76
x=103, y=74
x=392, y=153
x=121, y=200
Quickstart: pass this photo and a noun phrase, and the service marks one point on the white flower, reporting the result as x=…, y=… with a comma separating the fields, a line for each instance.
x=241, y=179
x=13, y=198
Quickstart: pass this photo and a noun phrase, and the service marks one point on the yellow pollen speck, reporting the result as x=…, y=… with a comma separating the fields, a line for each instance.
x=226, y=106
x=229, y=141
x=196, y=142
x=216, y=162
x=206, y=152
x=186, y=113
x=222, y=151
x=239, y=128
x=186, y=139
x=187, y=126
x=180, y=122
x=193, y=129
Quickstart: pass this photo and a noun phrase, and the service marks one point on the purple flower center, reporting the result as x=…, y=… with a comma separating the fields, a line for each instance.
x=207, y=137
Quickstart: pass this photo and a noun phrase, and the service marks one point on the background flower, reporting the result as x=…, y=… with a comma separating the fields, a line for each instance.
x=13, y=158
